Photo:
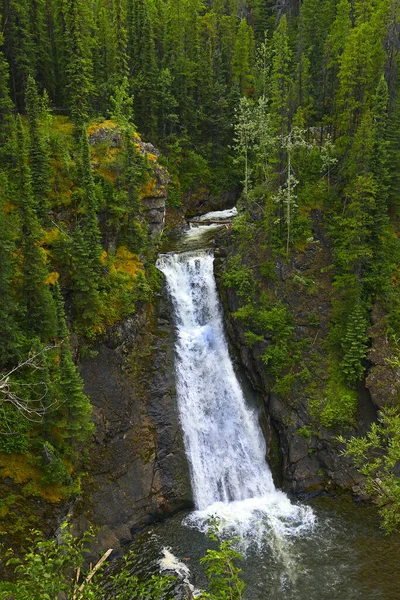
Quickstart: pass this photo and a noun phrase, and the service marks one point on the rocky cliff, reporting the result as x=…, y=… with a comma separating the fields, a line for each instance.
x=304, y=453
x=138, y=468
x=105, y=141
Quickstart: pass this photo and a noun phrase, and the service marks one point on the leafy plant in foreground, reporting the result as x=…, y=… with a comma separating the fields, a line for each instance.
x=53, y=569
x=377, y=456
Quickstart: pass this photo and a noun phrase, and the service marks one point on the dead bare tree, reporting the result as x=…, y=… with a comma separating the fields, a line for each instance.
x=32, y=405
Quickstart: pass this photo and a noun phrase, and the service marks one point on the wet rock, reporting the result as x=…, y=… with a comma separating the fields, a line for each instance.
x=138, y=465
x=201, y=200
x=383, y=380
x=303, y=459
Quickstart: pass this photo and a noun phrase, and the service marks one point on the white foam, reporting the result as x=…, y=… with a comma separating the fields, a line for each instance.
x=171, y=563
x=223, y=441
x=217, y=215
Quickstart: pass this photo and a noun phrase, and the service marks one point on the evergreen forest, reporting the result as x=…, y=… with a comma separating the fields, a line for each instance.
x=292, y=108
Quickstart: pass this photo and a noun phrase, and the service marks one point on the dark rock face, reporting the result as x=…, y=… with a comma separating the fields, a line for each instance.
x=303, y=460
x=138, y=463
x=201, y=200
x=383, y=380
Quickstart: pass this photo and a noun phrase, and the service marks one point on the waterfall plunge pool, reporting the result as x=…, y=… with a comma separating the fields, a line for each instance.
x=345, y=557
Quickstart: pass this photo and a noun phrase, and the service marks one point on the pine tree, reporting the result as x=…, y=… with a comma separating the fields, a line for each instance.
x=40, y=314
x=78, y=64
x=10, y=334
x=86, y=250
x=5, y=100
x=243, y=58
x=74, y=413
x=39, y=159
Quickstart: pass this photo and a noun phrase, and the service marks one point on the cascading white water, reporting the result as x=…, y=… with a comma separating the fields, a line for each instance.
x=223, y=441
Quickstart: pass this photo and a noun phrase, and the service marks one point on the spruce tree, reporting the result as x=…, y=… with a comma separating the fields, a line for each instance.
x=78, y=62
x=74, y=413
x=19, y=47
x=121, y=40
x=143, y=65
x=39, y=159
x=5, y=100
x=281, y=82
x=40, y=18
x=243, y=59
x=40, y=314
x=10, y=333
x=380, y=158
x=86, y=250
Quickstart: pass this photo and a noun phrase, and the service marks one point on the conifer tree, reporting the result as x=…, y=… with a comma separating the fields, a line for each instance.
x=243, y=59
x=393, y=127
x=380, y=157
x=86, y=250
x=19, y=47
x=143, y=64
x=78, y=64
x=75, y=410
x=121, y=40
x=44, y=59
x=40, y=314
x=281, y=81
x=133, y=173
x=39, y=159
x=10, y=334
x=5, y=100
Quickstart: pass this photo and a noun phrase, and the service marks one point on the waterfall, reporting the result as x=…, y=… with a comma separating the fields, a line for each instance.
x=223, y=441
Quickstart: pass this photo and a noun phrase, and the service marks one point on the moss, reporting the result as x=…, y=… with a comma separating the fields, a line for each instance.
x=97, y=126
x=148, y=189
x=334, y=404
x=23, y=469
x=126, y=262
x=304, y=432
x=52, y=278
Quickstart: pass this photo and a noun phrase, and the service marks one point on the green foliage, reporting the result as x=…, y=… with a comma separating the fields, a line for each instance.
x=49, y=568
x=39, y=306
x=238, y=277
x=271, y=321
x=338, y=404
x=221, y=569
x=305, y=375
x=354, y=345
x=38, y=156
x=304, y=432
x=285, y=384
x=377, y=456
x=14, y=434
x=253, y=338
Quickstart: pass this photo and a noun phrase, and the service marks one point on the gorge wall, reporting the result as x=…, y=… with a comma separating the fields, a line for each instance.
x=303, y=452
x=138, y=469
